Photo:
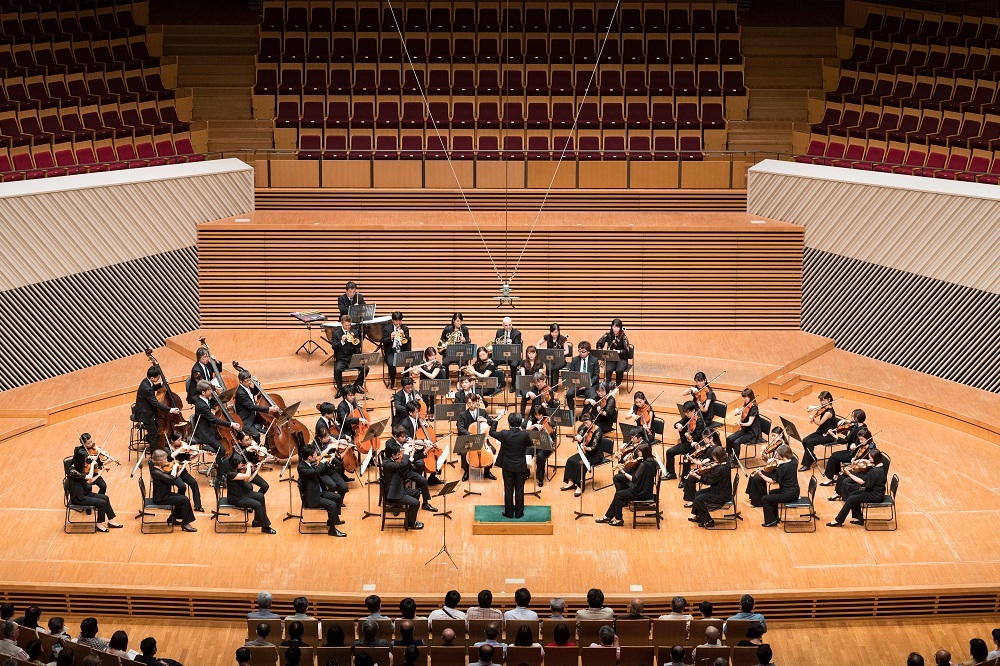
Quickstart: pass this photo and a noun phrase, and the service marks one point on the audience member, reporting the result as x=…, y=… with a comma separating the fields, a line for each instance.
x=746, y=613
x=485, y=656
x=334, y=636
x=677, y=606
x=118, y=645
x=447, y=612
x=995, y=654
x=148, y=656
x=485, y=610
x=561, y=637
x=706, y=609
x=712, y=639
x=362, y=658
x=88, y=635
x=295, y=631
x=67, y=657
x=607, y=639
x=263, y=631
x=524, y=638
x=720, y=661
x=942, y=658
x=448, y=637
x=89, y=660
x=8, y=645
x=369, y=636
x=595, y=610
x=412, y=655
x=57, y=627
x=557, y=607
x=301, y=605
x=373, y=603
x=676, y=656
x=635, y=608
x=408, y=610
x=293, y=655
x=492, y=632
x=754, y=633
x=33, y=649
x=915, y=659
x=406, y=635
x=764, y=655
x=243, y=656
x=30, y=619
x=263, y=612
x=978, y=651
x=6, y=612
x=521, y=612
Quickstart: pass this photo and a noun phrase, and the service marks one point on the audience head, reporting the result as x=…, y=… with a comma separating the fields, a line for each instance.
x=34, y=649
x=295, y=631
x=148, y=646
x=6, y=611
x=764, y=654
x=57, y=625
x=88, y=627
x=242, y=656
x=485, y=599
x=448, y=636
x=363, y=659
x=706, y=609
x=720, y=661
x=486, y=653
x=119, y=641
x=31, y=616
x=996, y=637
x=942, y=658
x=746, y=603
x=9, y=630
x=523, y=637
x=373, y=603
x=406, y=630
x=678, y=604
x=408, y=608
x=606, y=635
x=557, y=605
x=90, y=660
x=264, y=600
x=560, y=635
x=67, y=656
x=335, y=636
x=522, y=597
x=595, y=598
x=978, y=649
x=635, y=606
x=369, y=630
x=755, y=630
x=677, y=653
x=411, y=655
x=915, y=659
x=712, y=634
x=492, y=631
x=264, y=629
x=452, y=599
x=300, y=604
x=293, y=655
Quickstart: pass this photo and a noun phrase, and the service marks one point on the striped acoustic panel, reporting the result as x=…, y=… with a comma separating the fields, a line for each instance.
x=914, y=321
x=57, y=326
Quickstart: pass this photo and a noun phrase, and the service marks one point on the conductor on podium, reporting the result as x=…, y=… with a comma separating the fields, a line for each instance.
x=511, y=459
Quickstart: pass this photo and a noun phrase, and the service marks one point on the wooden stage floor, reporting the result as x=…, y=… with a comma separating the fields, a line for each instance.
x=949, y=501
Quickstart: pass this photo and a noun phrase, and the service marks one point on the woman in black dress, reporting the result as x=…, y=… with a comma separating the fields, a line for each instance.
x=756, y=485
x=749, y=431
x=554, y=339
x=431, y=369
x=617, y=340
x=80, y=482
x=484, y=367
x=588, y=437
x=825, y=420
x=787, y=482
x=718, y=491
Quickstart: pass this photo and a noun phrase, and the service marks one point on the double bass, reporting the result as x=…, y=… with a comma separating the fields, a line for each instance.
x=226, y=435
x=361, y=428
x=168, y=422
x=280, y=438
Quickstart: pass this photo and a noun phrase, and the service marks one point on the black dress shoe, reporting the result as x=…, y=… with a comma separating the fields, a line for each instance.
x=688, y=505
x=670, y=476
x=827, y=483
x=835, y=498
x=541, y=482
x=417, y=525
x=336, y=533
x=465, y=477
x=508, y=515
x=255, y=524
x=189, y=528
x=519, y=515
x=199, y=509
x=805, y=468
x=360, y=389
x=434, y=481
x=489, y=475
x=427, y=507
x=267, y=530
x=695, y=520
x=773, y=523
x=709, y=525
x=857, y=522
x=339, y=394
x=834, y=523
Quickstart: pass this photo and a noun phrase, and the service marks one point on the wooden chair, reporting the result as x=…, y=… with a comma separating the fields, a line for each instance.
x=599, y=656
x=341, y=654
x=380, y=655
x=108, y=659
x=315, y=518
x=385, y=630
x=263, y=656
x=635, y=654
x=274, y=637
x=310, y=632
x=698, y=627
x=511, y=627
x=588, y=630
x=458, y=626
x=448, y=655
x=706, y=656
x=745, y=656
x=48, y=642
x=632, y=632
x=399, y=652
x=532, y=656
x=668, y=633
x=477, y=629
x=562, y=656
x=549, y=626
x=346, y=625
x=736, y=631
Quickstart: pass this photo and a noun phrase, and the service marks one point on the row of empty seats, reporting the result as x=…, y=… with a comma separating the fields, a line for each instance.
x=66, y=20
x=978, y=166
x=919, y=60
x=494, y=17
x=75, y=90
x=85, y=124
x=966, y=130
x=943, y=93
x=932, y=29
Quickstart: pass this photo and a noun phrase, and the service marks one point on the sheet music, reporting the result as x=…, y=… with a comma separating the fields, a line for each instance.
x=367, y=461
x=583, y=458
x=443, y=458
x=663, y=468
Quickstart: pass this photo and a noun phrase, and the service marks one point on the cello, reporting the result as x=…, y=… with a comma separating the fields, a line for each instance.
x=361, y=428
x=431, y=450
x=226, y=435
x=284, y=438
x=487, y=455
x=169, y=421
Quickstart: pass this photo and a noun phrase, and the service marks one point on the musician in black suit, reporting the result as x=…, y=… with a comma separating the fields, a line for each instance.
x=785, y=477
x=642, y=482
x=392, y=336
x=207, y=421
x=749, y=431
x=465, y=389
x=509, y=335
x=718, y=491
x=414, y=474
x=690, y=429
x=334, y=478
x=343, y=350
x=328, y=419
x=344, y=409
x=206, y=365
x=163, y=491
x=247, y=408
x=583, y=362
x=457, y=324
x=79, y=485
x=311, y=490
x=401, y=398
x=514, y=444
x=871, y=488
x=473, y=414
x=351, y=296
x=395, y=467
x=588, y=438
x=147, y=406
x=838, y=458
x=240, y=493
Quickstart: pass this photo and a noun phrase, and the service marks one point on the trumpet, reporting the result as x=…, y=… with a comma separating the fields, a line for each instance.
x=400, y=338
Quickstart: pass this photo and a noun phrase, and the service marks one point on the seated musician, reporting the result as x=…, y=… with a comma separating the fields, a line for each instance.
x=689, y=430
x=702, y=395
x=191, y=385
x=554, y=339
x=148, y=406
x=531, y=364
x=839, y=458
x=862, y=460
x=206, y=365
x=328, y=418
x=615, y=339
x=415, y=455
x=588, y=440
x=474, y=413
x=401, y=398
x=163, y=483
x=180, y=452
x=749, y=431
x=465, y=389
x=508, y=335
x=716, y=476
x=395, y=468
x=351, y=296
x=335, y=477
x=604, y=408
x=311, y=490
x=787, y=482
x=869, y=487
x=539, y=419
x=642, y=415
x=824, y=418
x=454, y=333
x=418, y=429
x=254, y=454
x=346, y=342
x=431, y=368
x=756, y=485
x=583, y=363
x=540, y=394
x=392, y=343
x=347, y=405
x=207, y=421
x=80, y=480
x=484, y=367
x=240, y=493
x=627, y=458
x=641, y=484
x=88, y=449
x=247, y=408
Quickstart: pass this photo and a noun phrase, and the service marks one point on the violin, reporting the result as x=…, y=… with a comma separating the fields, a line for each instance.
x=771, y=447
x=700, y=469
x=167, y=423
x=644, y=417
x=770, y=465
x=545, y=423
x=745, y=408
x=859, y=466
x=283, y=438
x=706, y=443
x=587, y=437
x=625, y=459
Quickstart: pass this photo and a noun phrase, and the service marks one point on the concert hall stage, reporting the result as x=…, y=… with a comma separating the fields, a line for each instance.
x=942, y=438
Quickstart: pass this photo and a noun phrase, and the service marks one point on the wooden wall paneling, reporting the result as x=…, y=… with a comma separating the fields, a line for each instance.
x=295, y=173
x=604, y=174
x=651, y=175
x=438, y=174
x=501, y=174
x=347, y=173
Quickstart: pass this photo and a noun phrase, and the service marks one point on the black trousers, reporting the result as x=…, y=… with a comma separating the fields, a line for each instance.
x=182, y=512
x=756, y=489
x=152, y=436
x=541, y=464
x=101, y=503
x=690, y=488
x=101, y=485
x=210, y=442
x=620, y=481
x=338, y=374
x=572, y=393
x=262, y=485
x=735, y=441
x=833, y=463
x=616, y=368
x=421, y=482
x=771, y=501
x=701, y=506
x=191, y=483
x=335, y=483
x=846, y=486
x=853, y=504
x=254, y=501
x=574, y=469
x=409, y=498
x=621, y=498
x=677, y=450
x=513, y=492
x=809, y=443
x=331, y=502
x=252, y=429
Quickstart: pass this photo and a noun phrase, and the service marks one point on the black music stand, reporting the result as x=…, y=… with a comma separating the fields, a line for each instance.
x=291, y=481
x=507, y=353
x=540, y=441
x=552, y=358
x=442, y=461
x=404, y=360
x=359, y=315
x=577, y=381
x=439, y=388
x=361, y=362
x=458, y=354
x=484, y=383
x=463, y=445
x=790, y=429
x=310, y=346
x=523, y=383
x=584, y=470
x=560, y=418
x=372, y=435
x=449, y=413
x=445, y=490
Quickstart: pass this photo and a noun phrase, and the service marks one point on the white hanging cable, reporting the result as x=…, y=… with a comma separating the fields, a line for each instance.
x=562, y=154
x=430, y=115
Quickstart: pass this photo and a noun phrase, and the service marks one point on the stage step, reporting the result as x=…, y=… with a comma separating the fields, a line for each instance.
x=796, y=392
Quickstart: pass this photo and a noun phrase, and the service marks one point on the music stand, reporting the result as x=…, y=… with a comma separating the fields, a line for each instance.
x=445, y=490
x=540, y=441
x=463, y=445
x=560, y=418
x=584, y=470
x=486, y=383
x=365, y=466
x=360, y=362
x=552, y=358
x=459, y=354
x=405, y=359
x=441, y=462
x=361, y=313
x=790, y=429
x=605, y=355
x=310, y=346
x=680, y=409
x=523, y=383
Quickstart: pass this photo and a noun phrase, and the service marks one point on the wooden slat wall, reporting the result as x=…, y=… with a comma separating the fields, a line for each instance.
x=676, y=276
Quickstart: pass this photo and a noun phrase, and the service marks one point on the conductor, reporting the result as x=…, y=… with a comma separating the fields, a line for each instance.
x=511, y=459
